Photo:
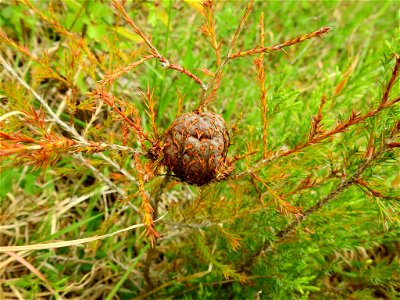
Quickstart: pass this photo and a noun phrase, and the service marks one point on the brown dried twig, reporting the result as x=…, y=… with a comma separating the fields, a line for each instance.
x=294, y=41
x=373, y=192
x=316, y=126
x=109, y=78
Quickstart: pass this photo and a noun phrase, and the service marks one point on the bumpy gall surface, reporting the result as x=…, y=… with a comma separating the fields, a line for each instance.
x=195, y=146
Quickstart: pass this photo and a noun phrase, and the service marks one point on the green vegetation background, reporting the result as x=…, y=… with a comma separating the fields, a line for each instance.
x=349, y=249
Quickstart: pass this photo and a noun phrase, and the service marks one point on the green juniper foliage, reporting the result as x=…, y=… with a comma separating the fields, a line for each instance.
x=304, y=205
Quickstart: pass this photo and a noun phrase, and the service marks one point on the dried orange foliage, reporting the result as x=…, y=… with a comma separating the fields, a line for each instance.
x=260, y=72
x=294, y=41
x=145, y=173
x=123, y=109
x=317, y=134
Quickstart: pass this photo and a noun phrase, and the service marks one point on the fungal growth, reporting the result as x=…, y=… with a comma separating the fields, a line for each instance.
x=195, y=147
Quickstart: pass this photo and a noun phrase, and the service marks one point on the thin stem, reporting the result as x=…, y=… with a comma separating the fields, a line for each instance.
x=210, y=90
x=296, y=40
x=392, y=80
x=239, y=29
x=109, y=78
x=165, y=63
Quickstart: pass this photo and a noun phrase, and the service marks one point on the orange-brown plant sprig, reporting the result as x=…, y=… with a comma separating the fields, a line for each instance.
x=209, y=30
x=120, y=108
x=291, y=42
x=341, y=126
x=150, y=101
x=165, y=63
x=260, y=72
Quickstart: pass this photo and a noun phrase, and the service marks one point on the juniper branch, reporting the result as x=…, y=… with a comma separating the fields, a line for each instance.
x=71, y=130
x=211, y=88
x=342, y=186
x=354, y=118
x=56, y=119
x=269, y=49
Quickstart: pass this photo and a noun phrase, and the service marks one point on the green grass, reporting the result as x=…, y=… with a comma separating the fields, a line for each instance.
x=347, y=249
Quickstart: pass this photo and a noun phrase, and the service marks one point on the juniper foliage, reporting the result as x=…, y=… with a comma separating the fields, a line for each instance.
x=306, y=203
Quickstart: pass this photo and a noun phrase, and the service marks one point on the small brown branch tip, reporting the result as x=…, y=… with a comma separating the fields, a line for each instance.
x=317, y=134
x=291, y=42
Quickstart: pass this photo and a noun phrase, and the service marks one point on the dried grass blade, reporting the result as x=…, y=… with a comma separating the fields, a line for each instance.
x=31, y=268
x=53, y=245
